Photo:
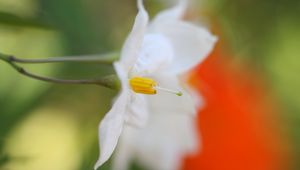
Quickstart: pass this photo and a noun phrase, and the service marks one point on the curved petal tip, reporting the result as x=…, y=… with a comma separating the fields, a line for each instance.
x=134, y=40
x=142, y=10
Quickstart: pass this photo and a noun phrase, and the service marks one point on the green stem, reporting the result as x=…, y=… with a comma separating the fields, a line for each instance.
x=108, y=58
x=108, y=81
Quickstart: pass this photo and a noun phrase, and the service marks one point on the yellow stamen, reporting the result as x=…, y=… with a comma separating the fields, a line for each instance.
x=143, y=85
x=148, y=86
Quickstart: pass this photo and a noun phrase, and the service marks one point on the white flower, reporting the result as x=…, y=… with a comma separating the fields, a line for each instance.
x=153, y=56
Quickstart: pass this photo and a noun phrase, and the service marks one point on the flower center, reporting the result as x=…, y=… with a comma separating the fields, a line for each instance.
x=149, y=86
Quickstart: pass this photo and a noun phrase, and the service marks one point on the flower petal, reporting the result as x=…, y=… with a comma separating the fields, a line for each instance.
x=122, y=74
x=180, y=110
x=125, y=151
x=137, y=111
x=110, y=128
x=135, y=39
x=170, y=103
x=155, y=56
x=191, y=44
x=167, y=138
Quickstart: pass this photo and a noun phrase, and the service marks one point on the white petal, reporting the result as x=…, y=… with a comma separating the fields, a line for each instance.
x=192, y=44
x=122, y=74
x=174, y=13
x=156, y=55
x=125, y=151
x=179, y=112
x=194, y=93
x=163, y=155
x=111, y=127
x=169, y=103
x=122, y=157
x=134, y=41
x=166, y=140
x=137, y=111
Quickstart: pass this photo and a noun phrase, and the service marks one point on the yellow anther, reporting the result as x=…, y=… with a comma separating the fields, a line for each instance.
x=148, y=86
x=143, y=85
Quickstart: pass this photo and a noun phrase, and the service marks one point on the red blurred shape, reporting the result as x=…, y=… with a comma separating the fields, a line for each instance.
x=238, y=125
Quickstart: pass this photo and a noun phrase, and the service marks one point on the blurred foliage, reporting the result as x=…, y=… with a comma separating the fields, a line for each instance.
x=19, y=94
x=248, y=24
x=266, y=33
x=283, y=70
x=10, y=19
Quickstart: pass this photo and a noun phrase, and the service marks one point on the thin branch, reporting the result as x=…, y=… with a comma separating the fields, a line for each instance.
x=101, y=58
x=108, y=81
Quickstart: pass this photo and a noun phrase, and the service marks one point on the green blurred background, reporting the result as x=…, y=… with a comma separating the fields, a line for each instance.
x=54, y=127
